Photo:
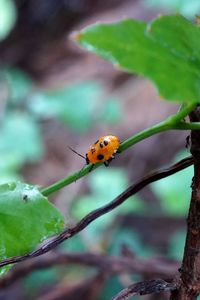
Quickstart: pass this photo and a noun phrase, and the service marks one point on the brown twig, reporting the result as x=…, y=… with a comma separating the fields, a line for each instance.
x=146, y=287
x=69, y=232
x=190, y=270
x=115, y=264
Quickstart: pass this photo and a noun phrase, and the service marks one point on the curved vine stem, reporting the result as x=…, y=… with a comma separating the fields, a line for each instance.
x=69, y=232
x=173, y=122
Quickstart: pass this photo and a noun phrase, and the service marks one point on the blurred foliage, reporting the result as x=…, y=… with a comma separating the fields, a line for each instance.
x=20, y=142
x=176, y=245
x=153, y=50
x=19, y=85
x=20, y=132
x=104, y=234
x=20, y=136
x=46, y=279
x=105, y=186
x=117, y=283
x=23, y=208
x=80, y=106
x=187, y=8
x=129, y=238
x=118, y=238
x=111, y=288
x=38, y=280
x=76, y=244
x=24, y=106
x=8, y=15
x=174, y=191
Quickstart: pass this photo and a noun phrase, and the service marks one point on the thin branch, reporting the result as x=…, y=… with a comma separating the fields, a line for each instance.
x=115, y=264
x=146, y=287
x=83, y=223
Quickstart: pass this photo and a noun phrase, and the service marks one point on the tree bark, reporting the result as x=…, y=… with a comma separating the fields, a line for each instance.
x=190, y=269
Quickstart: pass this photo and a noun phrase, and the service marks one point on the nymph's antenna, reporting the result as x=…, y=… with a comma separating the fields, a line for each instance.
x=76, y=152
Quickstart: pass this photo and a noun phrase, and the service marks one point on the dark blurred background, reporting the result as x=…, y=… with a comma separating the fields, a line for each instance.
x=54, y=95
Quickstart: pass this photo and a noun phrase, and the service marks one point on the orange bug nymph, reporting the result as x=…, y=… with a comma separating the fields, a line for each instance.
x=103, y=150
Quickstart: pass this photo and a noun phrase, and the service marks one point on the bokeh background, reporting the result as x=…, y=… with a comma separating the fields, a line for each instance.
x=54, y=95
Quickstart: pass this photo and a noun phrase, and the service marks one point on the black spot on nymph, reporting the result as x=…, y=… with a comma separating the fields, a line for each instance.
x=100, y=156
x=105, y=143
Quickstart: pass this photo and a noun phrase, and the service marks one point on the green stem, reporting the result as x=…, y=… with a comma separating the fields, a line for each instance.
x=67, y=180
x=124, y=145
x=187, y=126
x=160, y=127
x=182, y=113
x=171, y=123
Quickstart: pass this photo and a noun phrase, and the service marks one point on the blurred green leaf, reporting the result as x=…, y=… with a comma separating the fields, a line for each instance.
x=167, y=51
x=40, y=279
x=187, y=8
x=20, y=138
x=111, y=288
x=75, y=245
x=7, y=176
x=105, y=186
x=176, y=246
x=9, y=166
x=110, y=112
x=27, y=218
x=80, y=105
x=9, y=162
x=130, y=238
x=74, y=105
x=175, y=191
x=8, y=16
x=19, y=84
x=108, y=183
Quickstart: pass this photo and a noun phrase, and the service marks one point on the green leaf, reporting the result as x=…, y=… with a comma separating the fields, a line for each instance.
x=167, y=51
x=20, y=138
x=7, y=17
x=176, y=245
x=19, y=84
x=105, y=185
x=111, y=287
x=63, y=103
x=36, y=280
x=7, y=176
x=174, y=191
x=187, y=8
x=26, y=219
x=110, y=111
x=130, y=238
